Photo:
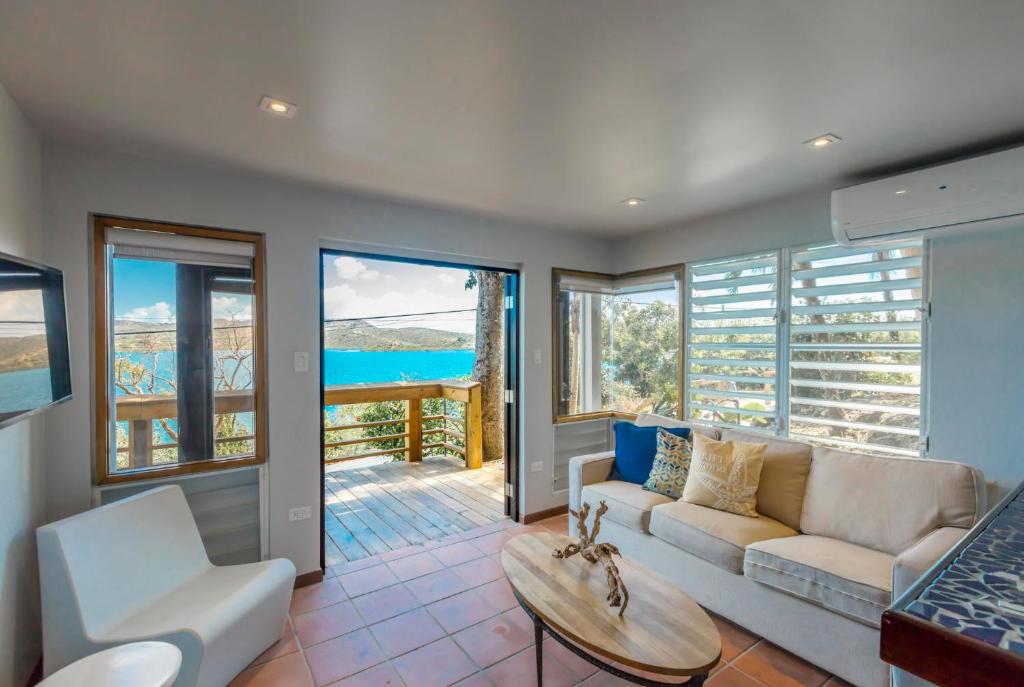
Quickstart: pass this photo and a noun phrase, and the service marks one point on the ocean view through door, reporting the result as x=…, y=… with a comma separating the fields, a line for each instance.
x=418, y=367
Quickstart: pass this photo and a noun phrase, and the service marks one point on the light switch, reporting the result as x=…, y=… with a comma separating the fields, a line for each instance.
x=538, y=356
x=301, y=361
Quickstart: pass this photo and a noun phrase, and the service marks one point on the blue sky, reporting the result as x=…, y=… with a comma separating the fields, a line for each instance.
x=144, y=291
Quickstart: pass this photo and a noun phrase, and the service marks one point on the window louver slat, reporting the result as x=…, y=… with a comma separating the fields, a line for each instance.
x=732, y=340
x=855, y=346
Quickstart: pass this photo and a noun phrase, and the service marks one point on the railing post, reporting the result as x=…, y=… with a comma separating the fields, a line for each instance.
x=140, y=443
x=474, y=429
x=414, y=442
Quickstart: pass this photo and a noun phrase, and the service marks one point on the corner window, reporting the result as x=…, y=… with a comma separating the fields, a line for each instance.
x=179, y=354
x=617, y=343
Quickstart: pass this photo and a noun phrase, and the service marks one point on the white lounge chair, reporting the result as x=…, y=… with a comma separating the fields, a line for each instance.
x=136, y=570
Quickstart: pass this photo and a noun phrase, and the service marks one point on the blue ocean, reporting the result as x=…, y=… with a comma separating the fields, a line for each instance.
x=31, y=388
x=354, y=367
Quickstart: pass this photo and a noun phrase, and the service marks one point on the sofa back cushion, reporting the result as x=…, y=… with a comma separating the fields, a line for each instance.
x=888, y=504
x=652, y=420
x=635, y=448
x=780, y=494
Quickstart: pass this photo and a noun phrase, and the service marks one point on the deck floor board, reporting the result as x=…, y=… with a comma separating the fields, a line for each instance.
x=376, y=508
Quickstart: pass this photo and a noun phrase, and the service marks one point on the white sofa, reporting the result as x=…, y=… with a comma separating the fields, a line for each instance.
x=839, y=534
x=136, y=570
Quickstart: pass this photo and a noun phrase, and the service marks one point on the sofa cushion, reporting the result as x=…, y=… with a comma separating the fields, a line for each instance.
x=652, y=420
x=887, y=504
x=724, y=475
x=635, y=448
x=716, y=536
x=671, y=465
x=628, y=504
x=780, y=494
x=851, y=580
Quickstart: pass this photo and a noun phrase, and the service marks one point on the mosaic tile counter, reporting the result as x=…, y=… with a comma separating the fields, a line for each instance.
x=964, y=622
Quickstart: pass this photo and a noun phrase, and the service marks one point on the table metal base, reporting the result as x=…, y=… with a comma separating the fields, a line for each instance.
x=538, y=639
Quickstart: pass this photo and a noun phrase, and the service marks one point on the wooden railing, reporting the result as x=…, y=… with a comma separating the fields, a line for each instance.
x=141, y=411
x=415, y=438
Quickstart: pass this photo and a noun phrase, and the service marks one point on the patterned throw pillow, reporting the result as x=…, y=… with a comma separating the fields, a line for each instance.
x=724, y=475
x=671, y=465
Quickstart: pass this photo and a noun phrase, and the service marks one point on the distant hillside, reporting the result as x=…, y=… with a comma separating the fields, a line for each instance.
x=23, y=353
x=363, y=336
x=352, y=335
x=29, y=352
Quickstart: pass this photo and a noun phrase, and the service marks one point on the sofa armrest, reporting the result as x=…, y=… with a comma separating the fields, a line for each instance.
x=916, y=560
x=589, y=469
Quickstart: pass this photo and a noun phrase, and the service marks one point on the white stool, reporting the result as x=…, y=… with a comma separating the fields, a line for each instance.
x=139, y=664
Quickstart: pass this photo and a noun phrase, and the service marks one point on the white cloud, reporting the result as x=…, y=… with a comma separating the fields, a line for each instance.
x=229, y=308
x=345, y=301
x=158, y=312
x=446, y=278
x=349, y=268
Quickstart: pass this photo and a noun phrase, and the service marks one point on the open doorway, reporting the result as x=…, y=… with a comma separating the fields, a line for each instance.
x=418, y=398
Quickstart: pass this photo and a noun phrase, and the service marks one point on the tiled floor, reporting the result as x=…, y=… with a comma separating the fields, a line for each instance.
x=442, y=614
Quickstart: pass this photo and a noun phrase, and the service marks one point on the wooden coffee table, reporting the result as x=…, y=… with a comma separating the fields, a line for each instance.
x=663, y=631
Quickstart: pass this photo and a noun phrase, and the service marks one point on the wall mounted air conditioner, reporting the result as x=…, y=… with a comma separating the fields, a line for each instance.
x=977, y=193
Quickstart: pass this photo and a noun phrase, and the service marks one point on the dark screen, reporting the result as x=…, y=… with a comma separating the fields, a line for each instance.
x=34, y=370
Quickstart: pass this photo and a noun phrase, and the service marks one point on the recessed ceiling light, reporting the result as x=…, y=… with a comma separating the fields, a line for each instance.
x=633, y=202
x=901, y=192
x=281, y=108
x=823, y=141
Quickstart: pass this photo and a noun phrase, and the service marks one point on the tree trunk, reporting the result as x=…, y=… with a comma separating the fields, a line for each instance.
x=489, y=366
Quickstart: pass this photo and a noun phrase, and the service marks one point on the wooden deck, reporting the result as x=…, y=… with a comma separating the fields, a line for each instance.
x=376, y=508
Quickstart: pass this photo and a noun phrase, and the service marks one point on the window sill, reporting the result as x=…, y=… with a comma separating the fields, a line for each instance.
x=600, y=415
x=179, y=470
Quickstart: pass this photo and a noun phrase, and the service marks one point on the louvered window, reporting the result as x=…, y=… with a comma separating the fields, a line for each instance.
x=732, y=341
x=848, y=325
x=855, y=346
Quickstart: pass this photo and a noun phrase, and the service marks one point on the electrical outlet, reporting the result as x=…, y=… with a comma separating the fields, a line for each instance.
x=537, y=466
x=301, y=361
x=538, y=356
x=303, y=513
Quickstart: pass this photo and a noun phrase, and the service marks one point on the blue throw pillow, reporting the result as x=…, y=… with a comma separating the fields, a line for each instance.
x=635, y=448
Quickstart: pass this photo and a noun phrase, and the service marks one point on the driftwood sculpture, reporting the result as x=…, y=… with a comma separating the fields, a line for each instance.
x=591, y=551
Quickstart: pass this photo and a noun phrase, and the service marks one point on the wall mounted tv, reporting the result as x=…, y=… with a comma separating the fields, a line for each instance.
x=34, y=368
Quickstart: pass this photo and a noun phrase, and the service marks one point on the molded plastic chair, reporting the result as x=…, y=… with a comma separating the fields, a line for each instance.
x=136, y=570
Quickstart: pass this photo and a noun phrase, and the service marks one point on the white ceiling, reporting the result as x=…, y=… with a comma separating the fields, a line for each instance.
x=547, y=110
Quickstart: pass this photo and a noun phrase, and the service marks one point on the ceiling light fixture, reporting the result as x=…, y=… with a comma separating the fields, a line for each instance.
x=633, y=202
x=281, y=108
x=901, y=192
x=823, y=141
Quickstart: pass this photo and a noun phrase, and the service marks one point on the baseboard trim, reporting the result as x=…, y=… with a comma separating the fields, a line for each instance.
x=544, y=514
x=306, y=579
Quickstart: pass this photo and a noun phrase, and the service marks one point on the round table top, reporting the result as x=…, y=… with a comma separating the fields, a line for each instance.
x=663, y=631
x=139, y=664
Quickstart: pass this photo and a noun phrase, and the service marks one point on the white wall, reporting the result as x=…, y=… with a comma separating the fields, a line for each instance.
x=977, y=293
x=977, y=352
x=22, y=495
x=296, y=219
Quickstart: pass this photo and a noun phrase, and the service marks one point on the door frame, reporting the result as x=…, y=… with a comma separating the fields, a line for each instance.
x=513, y=276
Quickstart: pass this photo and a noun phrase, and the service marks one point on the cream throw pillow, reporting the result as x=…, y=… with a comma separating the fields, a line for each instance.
x=724, y=475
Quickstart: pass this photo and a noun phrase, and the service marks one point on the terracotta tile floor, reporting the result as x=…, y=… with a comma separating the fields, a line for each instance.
x=442, y=614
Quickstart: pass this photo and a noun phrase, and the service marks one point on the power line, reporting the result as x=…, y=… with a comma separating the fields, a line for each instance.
x=383, y=317
x=173, y=331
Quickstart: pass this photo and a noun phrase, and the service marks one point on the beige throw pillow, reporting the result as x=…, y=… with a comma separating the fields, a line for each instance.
x=724, y=475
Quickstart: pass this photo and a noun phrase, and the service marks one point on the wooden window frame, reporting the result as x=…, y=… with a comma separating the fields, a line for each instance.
x=556, y=340
x=101, y=320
